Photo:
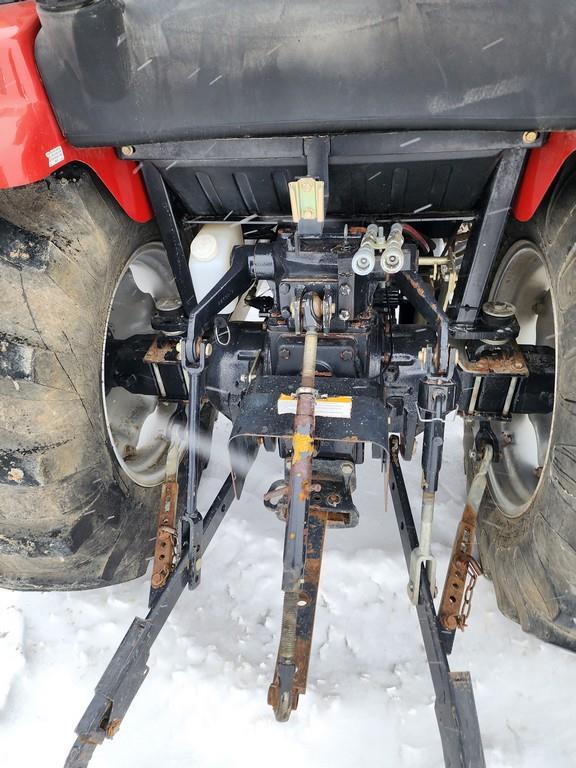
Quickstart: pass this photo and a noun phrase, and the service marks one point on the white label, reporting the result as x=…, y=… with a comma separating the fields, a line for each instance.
x=326, y=407
x=55, y=156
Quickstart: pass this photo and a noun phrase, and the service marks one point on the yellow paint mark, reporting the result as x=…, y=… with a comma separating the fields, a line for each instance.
x=302, y=445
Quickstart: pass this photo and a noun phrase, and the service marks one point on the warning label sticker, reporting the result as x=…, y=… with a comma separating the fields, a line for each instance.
x=55, y=156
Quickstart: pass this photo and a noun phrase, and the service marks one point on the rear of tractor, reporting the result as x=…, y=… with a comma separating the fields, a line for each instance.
x=332, y=255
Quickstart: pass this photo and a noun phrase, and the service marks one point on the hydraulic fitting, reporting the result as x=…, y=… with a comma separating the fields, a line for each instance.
x=364, y=259
x=392, y=259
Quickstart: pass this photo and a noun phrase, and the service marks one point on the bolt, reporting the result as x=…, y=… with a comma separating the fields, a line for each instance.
x=345, y=290
x=284, y=353
x=333, y=499
x=346, y=354
x=127, y=151
x=284, y=288
x=529, y=137
x=208, y=350
x=344, y=314
x=198, y=564
x=347, y=468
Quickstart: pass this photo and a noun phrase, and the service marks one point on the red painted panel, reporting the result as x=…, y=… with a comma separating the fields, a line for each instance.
x=31, y=143
x=541, y=169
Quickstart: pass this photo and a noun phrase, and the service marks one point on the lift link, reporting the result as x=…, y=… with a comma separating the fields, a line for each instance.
x=456, y=598
x=166, y=532
x=436, y=397
x=454, y=707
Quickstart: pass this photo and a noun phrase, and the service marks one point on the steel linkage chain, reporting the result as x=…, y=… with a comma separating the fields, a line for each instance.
x=474, y=570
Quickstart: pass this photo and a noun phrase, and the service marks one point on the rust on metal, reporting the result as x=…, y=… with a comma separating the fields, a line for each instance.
x=505, y=361
x=454, y=608
x=166, y=537
x=163, y=350
x=113, y=728
x=305, y=610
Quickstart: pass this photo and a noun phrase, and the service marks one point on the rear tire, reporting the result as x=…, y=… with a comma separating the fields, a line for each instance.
x=69, y=519
x=531, y=557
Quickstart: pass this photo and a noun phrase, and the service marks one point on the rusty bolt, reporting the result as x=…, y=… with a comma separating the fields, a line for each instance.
x=346, y=354
x=284, y=353
x=127, y=151
x=333, y=499
x=345, y=290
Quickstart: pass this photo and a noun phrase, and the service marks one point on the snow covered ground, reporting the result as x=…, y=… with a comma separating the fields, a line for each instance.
x=370, y=700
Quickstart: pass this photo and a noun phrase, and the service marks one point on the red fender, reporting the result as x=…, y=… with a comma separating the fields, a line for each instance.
x=31, y=143
x=541, y=169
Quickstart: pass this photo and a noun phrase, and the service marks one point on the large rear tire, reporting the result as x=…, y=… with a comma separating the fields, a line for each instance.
x=69, y=518
x=527, y=539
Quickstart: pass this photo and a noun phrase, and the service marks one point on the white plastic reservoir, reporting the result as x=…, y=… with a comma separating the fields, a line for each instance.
x=210, y=254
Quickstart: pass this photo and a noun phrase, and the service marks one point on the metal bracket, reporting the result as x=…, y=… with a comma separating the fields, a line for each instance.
x=309, y=195
x=170, y=233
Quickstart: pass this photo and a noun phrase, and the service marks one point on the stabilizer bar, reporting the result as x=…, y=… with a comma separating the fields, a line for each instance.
x=455, y=707
x=128, y=667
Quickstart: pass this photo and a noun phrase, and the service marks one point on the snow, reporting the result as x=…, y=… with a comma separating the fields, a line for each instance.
x=369, y=701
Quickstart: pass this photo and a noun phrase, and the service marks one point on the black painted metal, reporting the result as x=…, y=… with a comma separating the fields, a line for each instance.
x=420, y=295
x=455, y=707
x=170, y=233
x=484, y=242
x=192, y=521
x=234, y=283
x=344, y=148
x=128, y=667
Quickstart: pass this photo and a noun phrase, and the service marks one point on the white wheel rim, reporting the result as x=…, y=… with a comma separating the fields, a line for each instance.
x=140, y=427
x=523, y=280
